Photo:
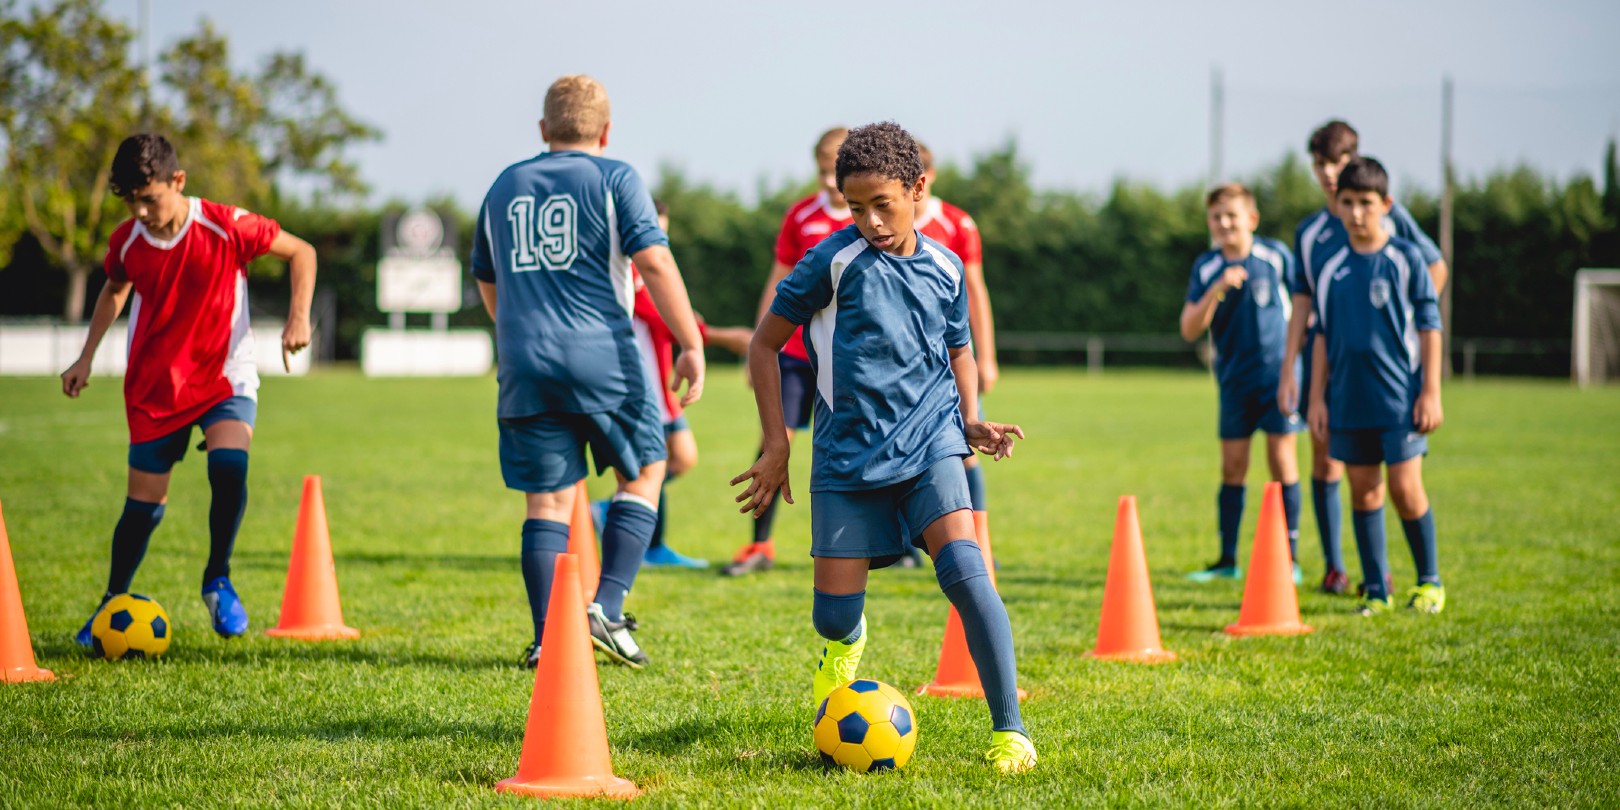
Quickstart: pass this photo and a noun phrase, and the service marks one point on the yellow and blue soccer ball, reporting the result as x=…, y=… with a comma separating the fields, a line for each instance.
x=865, y=726
x=130, y=626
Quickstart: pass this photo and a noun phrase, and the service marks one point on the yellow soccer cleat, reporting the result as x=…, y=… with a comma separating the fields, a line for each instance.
x=1427, y=598
x=838, y=664
x=1011, y=752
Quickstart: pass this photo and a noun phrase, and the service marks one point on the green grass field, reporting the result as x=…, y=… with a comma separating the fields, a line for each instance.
x=1508, y=698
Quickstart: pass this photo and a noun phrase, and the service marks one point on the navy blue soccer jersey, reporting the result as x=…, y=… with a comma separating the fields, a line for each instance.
x=1370, y=307
x=554, y=236
x=879, y=329
x=1250, y=326
x=1321, y=234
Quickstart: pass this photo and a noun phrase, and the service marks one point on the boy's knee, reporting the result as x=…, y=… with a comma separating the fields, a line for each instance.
x=837, y=615
x=227, y=466
x=957, y=562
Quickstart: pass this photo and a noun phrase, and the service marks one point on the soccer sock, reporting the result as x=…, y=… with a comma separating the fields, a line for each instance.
x=959, y=567
x=1369, y=527
x=227, y=476
x=1425, y=552
x=762, y=526
x=658, y=526
x=630, y=522
x=129, y=540
x=975, y=477
x=1231, y=516
x=1329, y=517
x=837, y=616
x=1290, y=496
x=543, y=540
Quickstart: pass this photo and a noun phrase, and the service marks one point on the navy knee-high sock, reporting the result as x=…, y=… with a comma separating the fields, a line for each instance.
x=630, y=522
x=959, y=567
x=1231, y=516
x=837, y=616
x=1290, y=498
x=227, y=477
x=1329, y=517
x=129, y=541
x=657, y=538
x=1425, y=550
x=975, y=478
x=543, y=540
x=1370, y=543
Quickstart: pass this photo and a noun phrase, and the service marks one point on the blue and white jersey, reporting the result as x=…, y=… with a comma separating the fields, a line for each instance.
x=1250, y=327
x=879, y=329
x=1321, y=234
x=554, y=235
x=1370, y=307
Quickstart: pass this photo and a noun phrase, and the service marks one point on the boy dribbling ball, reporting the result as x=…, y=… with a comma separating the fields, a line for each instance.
x=884, y=311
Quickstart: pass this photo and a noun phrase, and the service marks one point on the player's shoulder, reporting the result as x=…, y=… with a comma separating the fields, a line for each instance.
x=841, y=246
x=1400, y=247
x=956, y=216
x=1314, y=221
x=215, y=217
x=943, y=256
x=801, y=210
x=1271, y=250
x=122, y=234
x=1208, y=262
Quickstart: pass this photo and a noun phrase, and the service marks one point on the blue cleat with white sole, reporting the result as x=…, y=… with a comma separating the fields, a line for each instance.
x=83, y=637
x=225, y=608
x=666, y=557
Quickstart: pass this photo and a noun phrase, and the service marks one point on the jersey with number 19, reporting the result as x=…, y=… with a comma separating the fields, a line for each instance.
x=554, y=236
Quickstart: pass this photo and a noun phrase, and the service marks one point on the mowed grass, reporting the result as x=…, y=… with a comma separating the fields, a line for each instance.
x=1508, y=698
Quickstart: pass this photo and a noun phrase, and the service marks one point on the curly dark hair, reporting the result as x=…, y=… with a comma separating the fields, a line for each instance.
x=883, y=149
x=142, y=159
x=1364, y=174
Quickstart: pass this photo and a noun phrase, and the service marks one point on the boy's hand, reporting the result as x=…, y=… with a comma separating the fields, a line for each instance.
x=1232, y=279
x=1287, y=391
x=1319, y=420
x=993, y=438
x=689, y=367
x=1426, y=415
x=76, y=378
x=294, y=337
x=769, y=473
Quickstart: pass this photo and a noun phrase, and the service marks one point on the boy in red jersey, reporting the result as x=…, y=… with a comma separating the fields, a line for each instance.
x=191, y=359
x=808, y=221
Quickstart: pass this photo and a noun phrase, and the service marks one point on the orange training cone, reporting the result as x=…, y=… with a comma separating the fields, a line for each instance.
x=956, y=676
x=16, y=649
x=309, y=605
x=582, y=542
x=1129, y=629
x=565, y=745
x=1270, y=606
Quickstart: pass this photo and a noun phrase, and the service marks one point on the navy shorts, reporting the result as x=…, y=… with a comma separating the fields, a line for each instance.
x=1243, y=414
x=798, y=391
x=546, y=452
x=677, y=425
x=1377, y=445
x=161, y=454
x=876, y=524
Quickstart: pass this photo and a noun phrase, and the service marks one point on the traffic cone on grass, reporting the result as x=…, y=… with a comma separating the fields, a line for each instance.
x=956, y=676
x=1270, y=606
x=1129, y=629
x=309, y=606
x=16, y=649
x=582, y=542
x=565, y=746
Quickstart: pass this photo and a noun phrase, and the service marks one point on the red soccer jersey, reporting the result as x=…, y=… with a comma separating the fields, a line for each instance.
x=809, y=221
x=657, y=343
x=952, y=227
x=189, y=343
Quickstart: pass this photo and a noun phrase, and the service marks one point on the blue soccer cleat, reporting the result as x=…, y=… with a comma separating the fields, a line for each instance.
x=83, y=638
x=666, y=557
x=230, y=618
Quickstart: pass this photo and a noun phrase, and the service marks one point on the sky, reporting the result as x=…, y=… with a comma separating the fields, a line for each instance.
x=734, y=94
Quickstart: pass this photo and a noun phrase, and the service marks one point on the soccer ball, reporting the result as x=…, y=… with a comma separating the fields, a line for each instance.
x=866, y=726
x=130, y=626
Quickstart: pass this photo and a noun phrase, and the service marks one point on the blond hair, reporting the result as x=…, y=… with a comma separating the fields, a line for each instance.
x=827, y=145
x=576, y=109
x=1228, y=192
x=927, y=156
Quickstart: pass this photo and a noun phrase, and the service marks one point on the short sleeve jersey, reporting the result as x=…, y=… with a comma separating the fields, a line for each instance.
x=554, y=236
x=1321, y=234
x=190, y=346
x=879, y=329
x=808, y=221
x=1250, y=326
x=952, y=227
x=1370, y=307
x=657, y=344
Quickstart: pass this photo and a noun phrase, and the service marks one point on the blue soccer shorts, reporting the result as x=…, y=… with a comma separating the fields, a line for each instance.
x=677, y=425
x=161, y=454
x=1377, y=445
x=798, y=391
x=546, y=452
x=876, y=524
x=1243, y=414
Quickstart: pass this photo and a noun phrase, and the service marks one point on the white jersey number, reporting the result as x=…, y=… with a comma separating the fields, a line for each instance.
x=547, y=238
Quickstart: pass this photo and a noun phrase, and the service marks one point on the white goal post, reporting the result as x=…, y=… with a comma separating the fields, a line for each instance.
x=1595, y=358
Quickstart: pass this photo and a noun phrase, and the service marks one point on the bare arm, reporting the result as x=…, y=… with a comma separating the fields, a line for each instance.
x=1426, y=414
x=1439, y=273
x=663, y=279
x=109, y=303
x=983, y=324
x=300, y=258
x=486, y=291
x=991, y=438
x=779, y=271
x=734, y=339
x=770, y=472
x=1287, y=384
x=1197, y=315
x=1319, y=381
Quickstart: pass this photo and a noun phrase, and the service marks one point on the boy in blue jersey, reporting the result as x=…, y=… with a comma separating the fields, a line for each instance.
x=1239, y=292
x=552, y=253
x=884, y=310
x=1332, y=146
x=1377, y=384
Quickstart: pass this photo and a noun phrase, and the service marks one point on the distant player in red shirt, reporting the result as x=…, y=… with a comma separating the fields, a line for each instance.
x=809, y=221
x=191, y=355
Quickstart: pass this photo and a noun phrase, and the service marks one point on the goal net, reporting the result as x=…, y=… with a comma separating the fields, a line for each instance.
x=1596, y=356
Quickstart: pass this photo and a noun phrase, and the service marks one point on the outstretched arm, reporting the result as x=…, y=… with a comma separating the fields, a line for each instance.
x=109, y=303
x=770, y=471
x=300, y=258
x=668, y=291
x=990, y=438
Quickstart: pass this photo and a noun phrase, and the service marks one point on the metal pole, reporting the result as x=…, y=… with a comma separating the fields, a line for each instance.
x=1447, y=181
x=1217, y=115
x=146, y=64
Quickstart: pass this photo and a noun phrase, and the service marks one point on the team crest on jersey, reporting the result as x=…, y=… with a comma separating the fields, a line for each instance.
x=1379, y=292
x=1260, y=288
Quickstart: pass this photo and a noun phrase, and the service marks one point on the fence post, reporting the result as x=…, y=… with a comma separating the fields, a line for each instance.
x=1094, y=355
x=1470, y=349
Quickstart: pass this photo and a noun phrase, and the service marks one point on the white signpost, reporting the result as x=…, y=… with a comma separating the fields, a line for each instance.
x=419, y=272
